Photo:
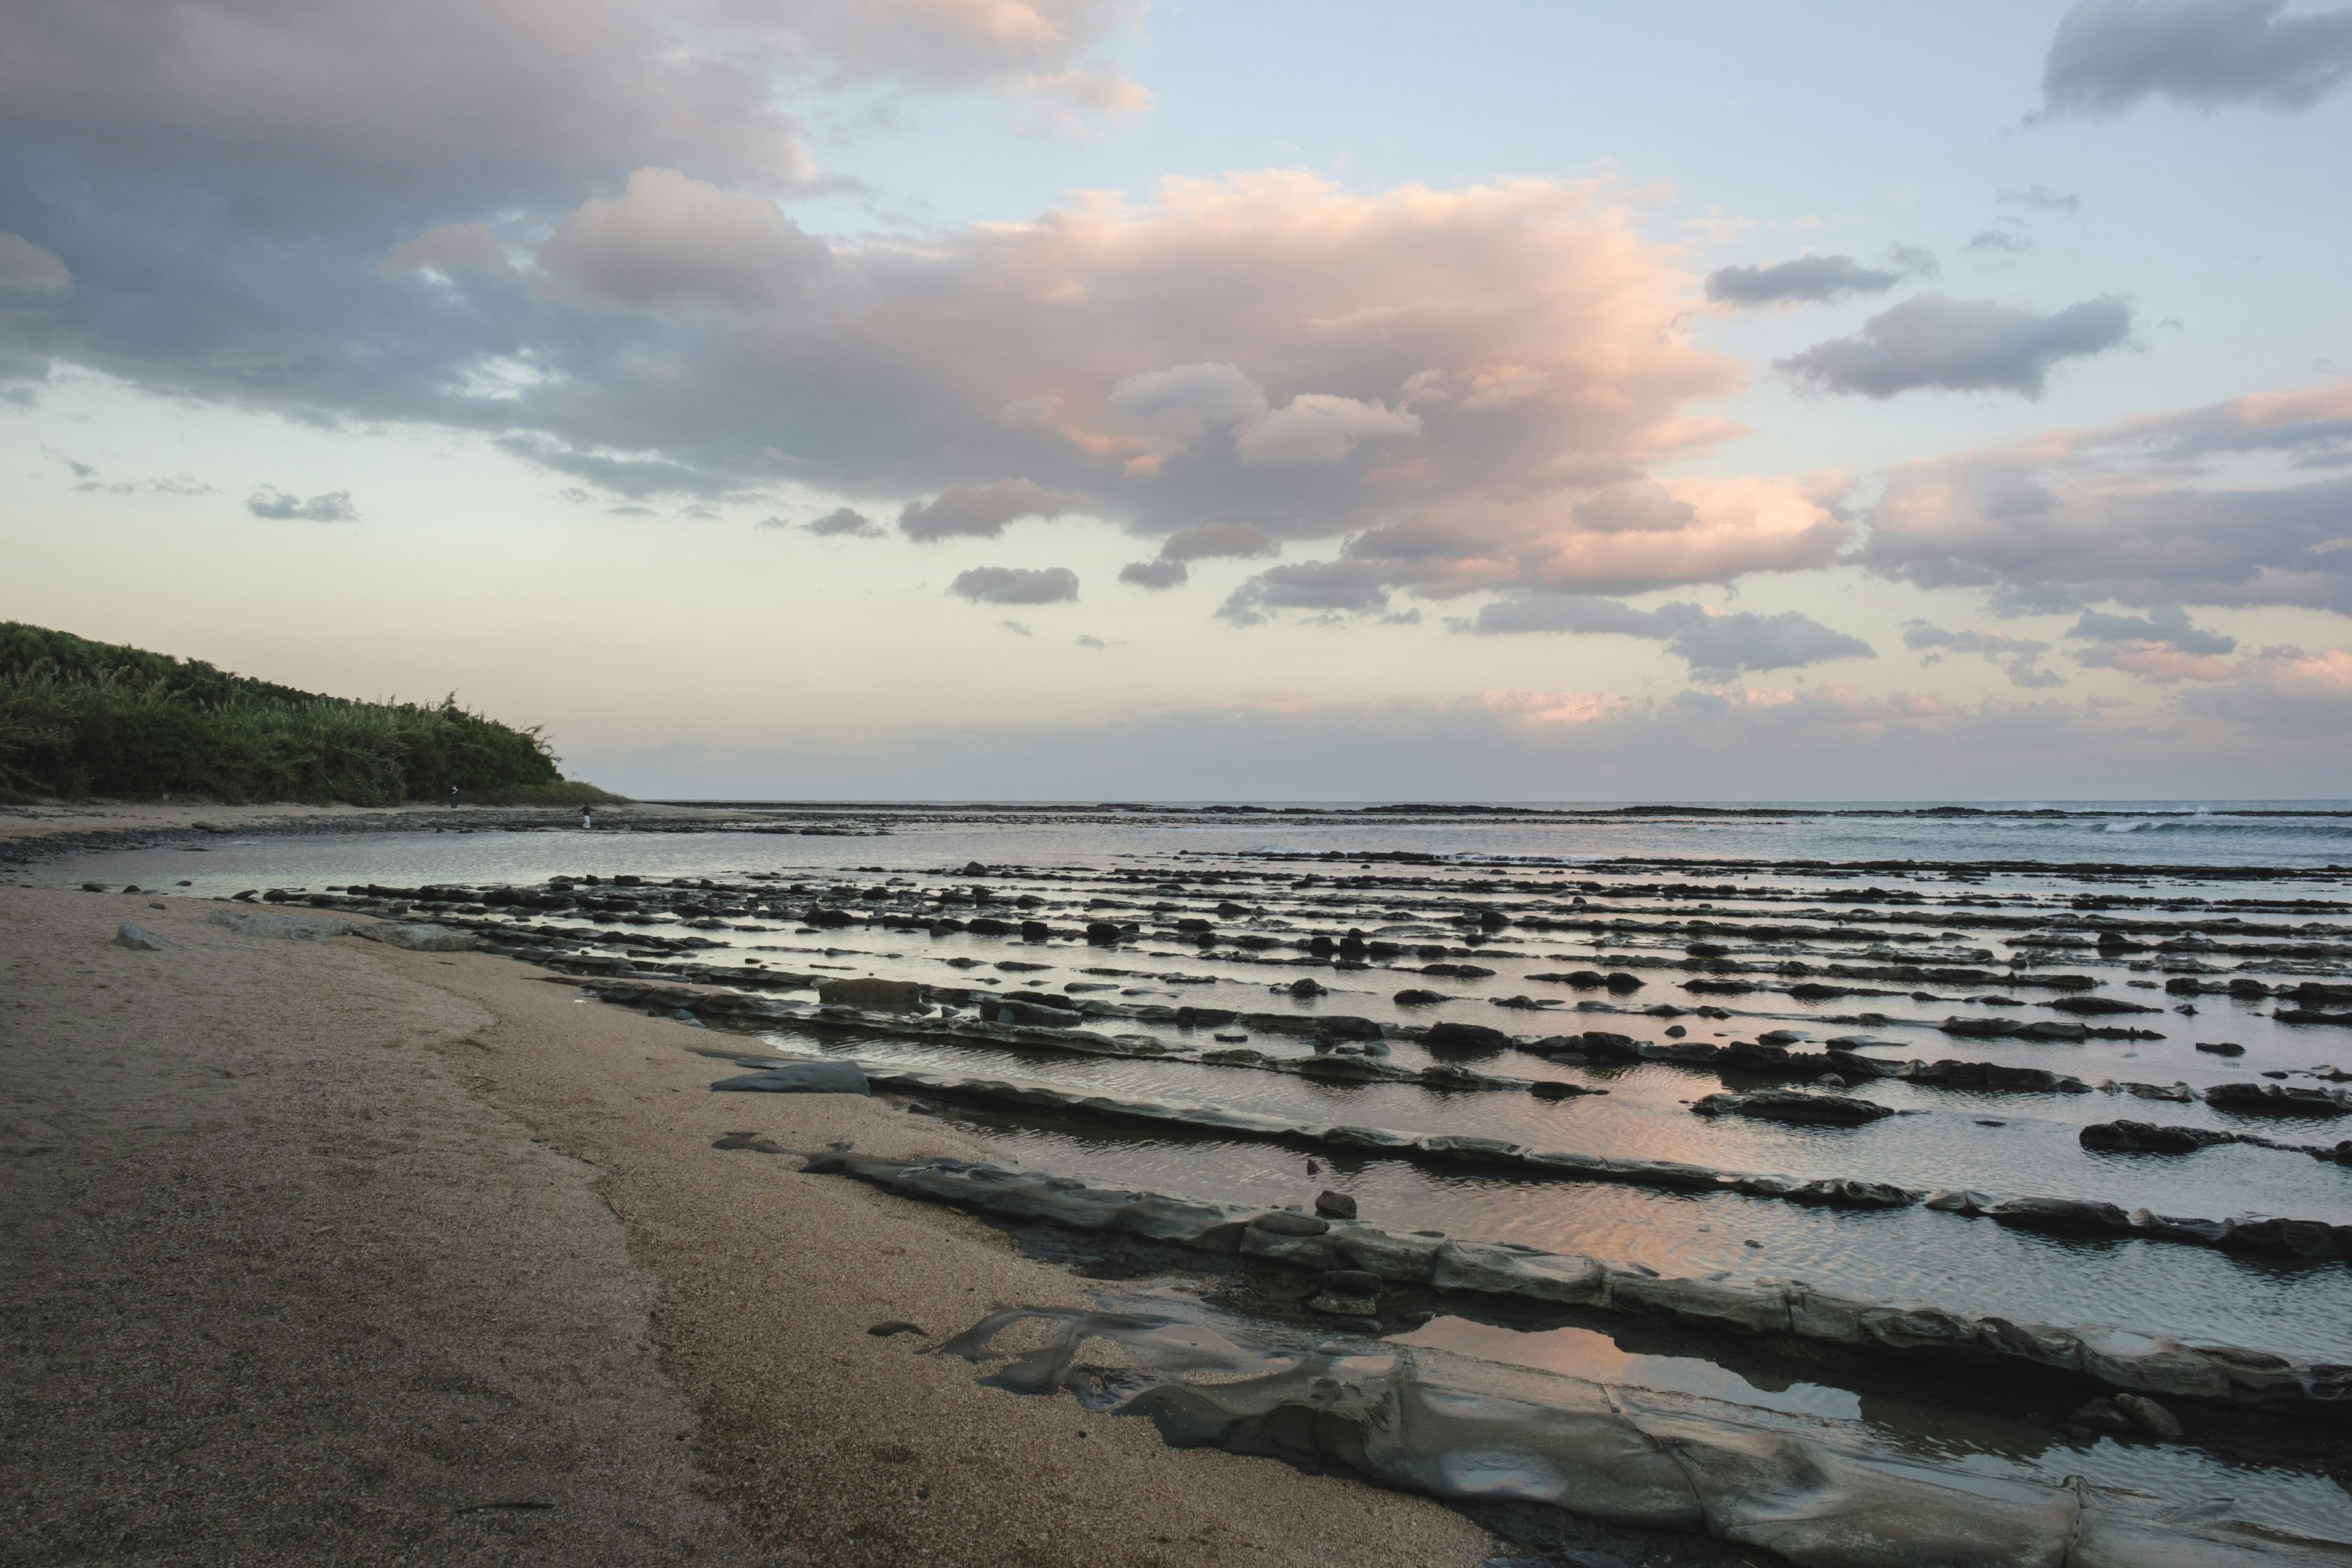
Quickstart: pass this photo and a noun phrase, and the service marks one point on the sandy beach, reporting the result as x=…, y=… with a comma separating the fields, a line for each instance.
x=330, y=1252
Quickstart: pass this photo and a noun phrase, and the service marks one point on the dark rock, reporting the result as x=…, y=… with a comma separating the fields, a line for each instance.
x=2090, y=1005
x=1465, y=1039
x=894, y=1326
x=2274, y=1099
x=1620, y=984
x=1335, y=1205
x=894, y=996
x=1349, y=1282
x=1409, y=998
x=801, y=1077
x=2220, y=1049
x=2146, y=1138
x=1793, y=1105
x=2153, y=1420
x=1552, y=1089
x=1305, y=986
x=1284, y=1222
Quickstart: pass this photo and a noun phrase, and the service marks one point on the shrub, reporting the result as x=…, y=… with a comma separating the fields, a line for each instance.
x=80, y=718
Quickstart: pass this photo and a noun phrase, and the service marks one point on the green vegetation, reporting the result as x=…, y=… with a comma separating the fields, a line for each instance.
x=80, y=718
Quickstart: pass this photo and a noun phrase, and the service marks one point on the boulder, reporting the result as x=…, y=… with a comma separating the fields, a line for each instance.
x=891, y=995
x=280, y=926
x=1335, y=1205
x=2275, y=1099
x=419, y=938
x=818, y=1077
x=1411, y=998
x=139, y=941
x=1794, y=1105
x=2147, y=1138
x=1465, y=1039
x=1502, y=1270
x=1289, y=1222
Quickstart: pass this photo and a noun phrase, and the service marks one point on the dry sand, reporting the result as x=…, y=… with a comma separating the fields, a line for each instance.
x=333, y=1252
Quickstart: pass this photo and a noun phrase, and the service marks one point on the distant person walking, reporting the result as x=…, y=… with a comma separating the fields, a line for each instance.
x=588, y=817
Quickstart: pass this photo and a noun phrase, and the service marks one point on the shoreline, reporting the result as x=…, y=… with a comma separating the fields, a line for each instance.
x=386, y=1251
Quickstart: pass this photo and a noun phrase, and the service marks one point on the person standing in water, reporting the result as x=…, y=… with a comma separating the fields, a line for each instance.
x=588, y=816
x=453, y=797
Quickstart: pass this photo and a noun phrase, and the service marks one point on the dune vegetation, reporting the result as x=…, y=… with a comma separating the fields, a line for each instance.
x=79, y=718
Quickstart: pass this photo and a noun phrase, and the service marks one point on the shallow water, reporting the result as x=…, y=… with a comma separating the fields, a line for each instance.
x=1859, y=890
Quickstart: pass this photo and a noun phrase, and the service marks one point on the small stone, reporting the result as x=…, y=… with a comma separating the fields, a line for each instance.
x=1335, y=1205
x=884, y=1331
x=2152, y=1419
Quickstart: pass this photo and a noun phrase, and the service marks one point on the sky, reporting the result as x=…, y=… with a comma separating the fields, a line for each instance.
x=1095, y=399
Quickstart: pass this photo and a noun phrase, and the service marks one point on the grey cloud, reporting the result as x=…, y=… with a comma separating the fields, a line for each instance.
x=2019, y=658
x=842, y=523
x=624, y=476
x=981, y=511
x=1716, y=647
x=669, y=240
x=1352, y=587
x=2040, y=199
x=335, y=506
x=1958, y=345
x=1214, y=541
x=1016, y=584
x=1645, y=508
x=2286, y=693
x=1155, y=574
x=1018, y=628
x=1815, y=279
x=25, y=266
x=2168, y=625
x=2008, y=241
x=1087, y=641
x=2052, y=535
x=2109, y=55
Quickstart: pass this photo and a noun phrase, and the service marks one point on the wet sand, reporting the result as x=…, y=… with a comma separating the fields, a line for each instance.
x=336, y=1253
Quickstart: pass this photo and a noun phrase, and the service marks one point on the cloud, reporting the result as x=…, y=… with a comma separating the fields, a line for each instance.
x=2040, y=199
x=2002, y=239
x=1168, y=410
x=981, y=511
x=842, y=523
x=269, y=501
x=1817, y=279
x=2284, y=691
x=1015, y=585
x=448, y=249
x=669, y=240
x=2122, y=513
x=27, y=266
x=1958, y=345
x=1356, y=587
x=1717, y=647
x=1319, y=428
x=2162, y=645
x=1155, y=574
x=1018, y=628
x=1212, y=541
x=2019, y=658
x=1087, y=641
x=2109, y=55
